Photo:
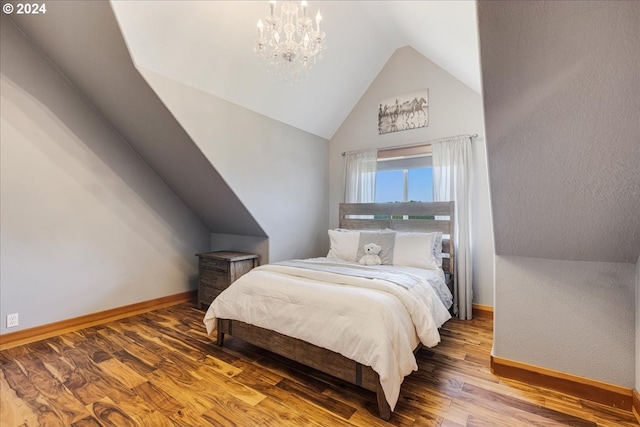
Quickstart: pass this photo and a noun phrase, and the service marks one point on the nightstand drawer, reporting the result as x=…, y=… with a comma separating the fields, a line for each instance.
x=215, y=264
x=220, y=269
x=214, y=278
x=206, y=295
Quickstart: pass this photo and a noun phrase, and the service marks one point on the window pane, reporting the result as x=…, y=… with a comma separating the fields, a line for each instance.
x=421, y=185
x=389, y=186
x=410, y=176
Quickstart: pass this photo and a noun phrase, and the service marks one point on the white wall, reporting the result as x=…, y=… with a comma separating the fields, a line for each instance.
x=453, y=109
x=86, y=224
x=575, y=317
x=277, y=171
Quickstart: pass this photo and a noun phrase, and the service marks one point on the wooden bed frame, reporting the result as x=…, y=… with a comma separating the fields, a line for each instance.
x=411, y=216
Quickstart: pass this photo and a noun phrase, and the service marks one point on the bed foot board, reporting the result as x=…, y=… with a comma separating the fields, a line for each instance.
x=383, y=405
x=319, y=358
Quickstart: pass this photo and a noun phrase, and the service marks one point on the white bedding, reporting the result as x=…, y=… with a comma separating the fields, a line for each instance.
x=372, y=321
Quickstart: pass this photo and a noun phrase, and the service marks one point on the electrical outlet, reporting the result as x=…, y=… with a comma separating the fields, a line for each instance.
x=12, y=320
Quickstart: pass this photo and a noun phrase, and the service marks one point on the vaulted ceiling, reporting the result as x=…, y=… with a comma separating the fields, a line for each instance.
x=216, y=53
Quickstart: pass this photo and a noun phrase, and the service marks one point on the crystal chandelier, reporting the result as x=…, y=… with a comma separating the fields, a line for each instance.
x=288, y=43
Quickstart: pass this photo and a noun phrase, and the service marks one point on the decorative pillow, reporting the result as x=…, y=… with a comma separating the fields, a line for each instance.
x=344, y=244
x=437, y=248
x=384, y=239
x=418, y=250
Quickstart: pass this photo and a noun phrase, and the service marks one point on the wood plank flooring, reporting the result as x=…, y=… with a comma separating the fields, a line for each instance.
x=160, y=369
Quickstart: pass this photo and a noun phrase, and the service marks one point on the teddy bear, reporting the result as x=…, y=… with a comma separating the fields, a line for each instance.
x=371, y=256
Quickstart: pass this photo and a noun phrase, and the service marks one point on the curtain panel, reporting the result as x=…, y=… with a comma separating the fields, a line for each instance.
x=360, y=176
x=452, y=172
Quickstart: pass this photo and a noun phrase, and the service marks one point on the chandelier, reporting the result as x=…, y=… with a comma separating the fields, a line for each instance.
x=288, y=43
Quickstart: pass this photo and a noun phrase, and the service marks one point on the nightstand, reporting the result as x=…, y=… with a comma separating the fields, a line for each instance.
x=217, y=270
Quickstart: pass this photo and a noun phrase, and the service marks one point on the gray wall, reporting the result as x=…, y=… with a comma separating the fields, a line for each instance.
x=569, y=316
x=86, y=224
x=453, y=109
x=233, y=242
x=277, y=171
x=84, y=41
x=638, y=324
x=561, y=102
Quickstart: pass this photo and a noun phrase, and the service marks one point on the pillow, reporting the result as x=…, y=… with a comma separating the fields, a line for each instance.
x=437, y=248
x=384, y=239
x=437, y=243
x=422, y=250
x=344, y=244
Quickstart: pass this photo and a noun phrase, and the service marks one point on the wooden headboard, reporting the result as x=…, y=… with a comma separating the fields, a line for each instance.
x=406, y=216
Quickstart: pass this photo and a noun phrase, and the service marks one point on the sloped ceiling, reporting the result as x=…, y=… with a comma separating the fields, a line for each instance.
x=562, y=108
x=84, y=42
x=209, y=45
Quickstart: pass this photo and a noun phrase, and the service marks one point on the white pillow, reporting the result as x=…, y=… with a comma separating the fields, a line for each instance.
x=344, y=244
x=418, y=250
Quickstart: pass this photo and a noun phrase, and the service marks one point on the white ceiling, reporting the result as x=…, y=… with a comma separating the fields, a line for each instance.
x=209, y=45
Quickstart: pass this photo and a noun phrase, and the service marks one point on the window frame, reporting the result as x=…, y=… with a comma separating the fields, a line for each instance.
x=401, y=154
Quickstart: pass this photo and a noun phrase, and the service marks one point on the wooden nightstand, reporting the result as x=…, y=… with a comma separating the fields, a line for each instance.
x=218, y=270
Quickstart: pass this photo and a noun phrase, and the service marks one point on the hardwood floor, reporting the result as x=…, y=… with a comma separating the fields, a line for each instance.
x=160, y=369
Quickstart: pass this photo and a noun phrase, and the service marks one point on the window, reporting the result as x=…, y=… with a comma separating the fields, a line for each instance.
x=404, y=178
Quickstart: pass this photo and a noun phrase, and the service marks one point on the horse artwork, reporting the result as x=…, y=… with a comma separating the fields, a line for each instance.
x=402, y=112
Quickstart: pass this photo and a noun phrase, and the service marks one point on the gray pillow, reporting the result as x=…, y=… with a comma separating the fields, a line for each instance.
x=383, y=239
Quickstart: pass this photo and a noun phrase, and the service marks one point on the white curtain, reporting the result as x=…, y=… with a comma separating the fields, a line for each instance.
x=360, y=176
x=452, y=171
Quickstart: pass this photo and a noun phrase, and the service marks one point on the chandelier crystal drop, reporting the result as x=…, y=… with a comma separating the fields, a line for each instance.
x=287, y=41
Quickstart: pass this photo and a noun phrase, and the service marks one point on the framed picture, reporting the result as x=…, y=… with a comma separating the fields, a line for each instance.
x=402, y=112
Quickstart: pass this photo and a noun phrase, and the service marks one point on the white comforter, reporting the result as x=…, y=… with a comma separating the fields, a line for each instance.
x=372, y=321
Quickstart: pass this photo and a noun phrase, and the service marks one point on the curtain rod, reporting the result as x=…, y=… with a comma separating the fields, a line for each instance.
x=417, y=144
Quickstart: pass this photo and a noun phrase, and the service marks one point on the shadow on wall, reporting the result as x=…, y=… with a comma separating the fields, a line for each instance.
x=92, y=54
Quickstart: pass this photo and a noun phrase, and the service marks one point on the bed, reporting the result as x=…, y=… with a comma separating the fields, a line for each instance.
x=374, y=320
